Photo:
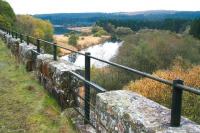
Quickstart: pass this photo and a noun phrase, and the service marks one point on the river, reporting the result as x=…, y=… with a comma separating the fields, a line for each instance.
x=105, y=51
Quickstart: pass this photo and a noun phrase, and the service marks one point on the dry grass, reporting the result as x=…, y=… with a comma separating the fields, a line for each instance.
x=86, y=41
x=82, y=29
x=63, y=41
x=83, y=42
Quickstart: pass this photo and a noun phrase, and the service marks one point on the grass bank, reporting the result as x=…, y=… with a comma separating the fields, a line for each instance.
x=25, y=106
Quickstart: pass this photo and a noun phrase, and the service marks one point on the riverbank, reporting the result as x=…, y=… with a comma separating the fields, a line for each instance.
x=25, y=106
x=83, y=42
x=105, y=51
x=81, y=29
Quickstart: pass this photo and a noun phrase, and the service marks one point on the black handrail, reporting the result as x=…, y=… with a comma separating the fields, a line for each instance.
x=93, y=85
x=177, y=85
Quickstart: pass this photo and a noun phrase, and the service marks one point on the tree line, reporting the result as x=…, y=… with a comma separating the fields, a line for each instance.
x=174, y=25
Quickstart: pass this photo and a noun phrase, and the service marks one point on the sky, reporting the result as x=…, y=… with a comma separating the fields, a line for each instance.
x=76, y=6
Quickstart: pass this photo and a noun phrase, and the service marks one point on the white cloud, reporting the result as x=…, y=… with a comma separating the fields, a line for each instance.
x=58, y=6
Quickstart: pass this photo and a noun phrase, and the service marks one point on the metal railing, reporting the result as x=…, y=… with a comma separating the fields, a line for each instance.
x=177, y=85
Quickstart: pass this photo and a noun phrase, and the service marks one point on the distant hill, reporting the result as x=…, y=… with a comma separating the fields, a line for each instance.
x=84, y=19
x=163, y=14
x=78, y=19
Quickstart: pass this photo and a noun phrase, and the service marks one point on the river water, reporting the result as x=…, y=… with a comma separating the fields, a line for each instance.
x=105, y=51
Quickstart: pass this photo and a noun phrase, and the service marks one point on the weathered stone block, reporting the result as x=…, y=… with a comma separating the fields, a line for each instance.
x=40, y=61
x=12, y=43
x=8, y=37
x=124, y=111
x=14, y=46
x=64, y=81
x=55, y=77
x=26, y=50
x=3, y=35
x=26, y=55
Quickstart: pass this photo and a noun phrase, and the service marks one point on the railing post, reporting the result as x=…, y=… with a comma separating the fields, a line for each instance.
x=16, y=35
x=12, y=33
x=21, y=38
x=176, y=104
x=87, y=89
x=27, y=40
x=4, y=36
x=38, y=45
x=55, y=52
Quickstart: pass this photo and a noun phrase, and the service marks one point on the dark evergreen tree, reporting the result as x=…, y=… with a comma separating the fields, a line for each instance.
x=195, y=28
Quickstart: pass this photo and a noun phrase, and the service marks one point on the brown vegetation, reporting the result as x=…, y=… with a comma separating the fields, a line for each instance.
x=81, y=29
x=161, y=93
x=83, y=42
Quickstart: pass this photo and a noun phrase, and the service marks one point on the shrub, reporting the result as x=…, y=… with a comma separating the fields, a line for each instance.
x=195, y=28
x=66, y=34
x=36, y=27
x=95, y=29
x=4, y=22
x=109, y=28
x=7, y=15
x=148, y=51
x=107, y=77
x=73, y=39
x=123, y=31
x=161, y=93
x=98, y=31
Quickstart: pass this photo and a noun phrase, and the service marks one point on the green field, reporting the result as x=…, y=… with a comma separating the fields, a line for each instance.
x=24, y=105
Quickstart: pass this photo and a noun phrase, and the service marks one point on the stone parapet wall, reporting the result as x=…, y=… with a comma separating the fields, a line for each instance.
x=55, y=76
x=27, y=56
x=128, y=112
x=115, y=111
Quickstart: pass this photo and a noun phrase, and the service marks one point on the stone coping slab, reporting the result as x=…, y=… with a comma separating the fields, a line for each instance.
x=125, y=111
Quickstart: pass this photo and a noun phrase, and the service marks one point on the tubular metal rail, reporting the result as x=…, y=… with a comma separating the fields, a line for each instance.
x=177, y=85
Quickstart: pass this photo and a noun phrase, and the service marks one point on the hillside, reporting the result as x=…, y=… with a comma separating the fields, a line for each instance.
x=148, y=47
x=162, y=53
x=84, y=19
x=7, y=15
x=148, y=51
x=25, y=106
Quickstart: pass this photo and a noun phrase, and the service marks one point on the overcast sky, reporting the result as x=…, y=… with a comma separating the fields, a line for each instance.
x=71, y=6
